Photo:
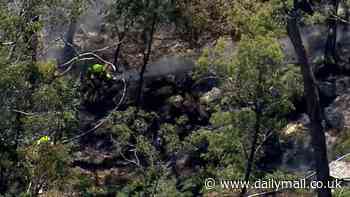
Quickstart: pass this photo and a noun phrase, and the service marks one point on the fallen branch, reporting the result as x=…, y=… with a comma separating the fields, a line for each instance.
x=24, y=113
x=336, y=17
x=8, y=43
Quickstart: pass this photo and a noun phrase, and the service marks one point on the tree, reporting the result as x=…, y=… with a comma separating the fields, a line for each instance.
x=197, y=21
x=144, y=16
x=257, y=68
x=313, y=104
x=121, y=20
x=331, y=49
x=47, y=167
x=34, y=102
x=75, y=10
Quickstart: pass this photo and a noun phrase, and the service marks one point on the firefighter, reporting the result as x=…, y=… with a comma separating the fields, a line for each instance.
x=98, y=81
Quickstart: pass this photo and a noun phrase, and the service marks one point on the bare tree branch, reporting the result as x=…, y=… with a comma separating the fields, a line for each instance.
x=24, y=113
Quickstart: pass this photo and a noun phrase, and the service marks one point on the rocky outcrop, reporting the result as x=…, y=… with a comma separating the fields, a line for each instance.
x=327, y=89
x=334, y=87
x=342, y=86
x=92, y=157
x=340, y=170
x=105, y=177
x=338, y=113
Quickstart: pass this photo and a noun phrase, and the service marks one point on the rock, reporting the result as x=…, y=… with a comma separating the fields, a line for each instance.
x=176, y=101
x=102, y=177
x=211, y=96
x=113, y=176
x=338, y=113
x=164, y=91
x=304, y=119
x=205, y=84
x=183, y=164
x=334, y=86
x=331, y=139
x=327, y=89
x=91, y=156
x=342, y=85
x=334, y=118
x=340, y=169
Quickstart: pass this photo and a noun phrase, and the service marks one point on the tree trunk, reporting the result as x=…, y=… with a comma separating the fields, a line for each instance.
x=257, y=109
x=31, y=38
x=34, y=47
x=347, y=16
x=313, y=107
x=331, y=53
x=121, y=37
x=117, y=52
x=146, y=57
x=68, y=50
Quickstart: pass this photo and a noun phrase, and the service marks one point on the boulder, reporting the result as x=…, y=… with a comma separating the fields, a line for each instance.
x=334, y=118
x=338, y=113
x=211, y=96
x=327, y=89
x=102, y=177
x=91, y=156
x=334, y=86
x=342, y=85
x=340, y=169
x=176, y=101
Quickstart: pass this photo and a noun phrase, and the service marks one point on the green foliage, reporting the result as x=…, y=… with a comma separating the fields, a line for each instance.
x=139, y=14
x=256, y=83
x=56, y=109
x=220, y=150
x=171, y=138
x=316, y=18
x=342, y=192
x=343, y=144
x=291, y=81
x=258, y=67
x=219, y=119
x=46, y=70
x=254, y=17
x=47, y=164
x=197, y=18
x=164, y=156
x=33, y=103
x=214, y=60
x=131, y=131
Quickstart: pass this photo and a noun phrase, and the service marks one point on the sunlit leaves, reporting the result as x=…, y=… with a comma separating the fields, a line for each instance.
x=47, y=164
x=253, y=17
x=256, y=65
